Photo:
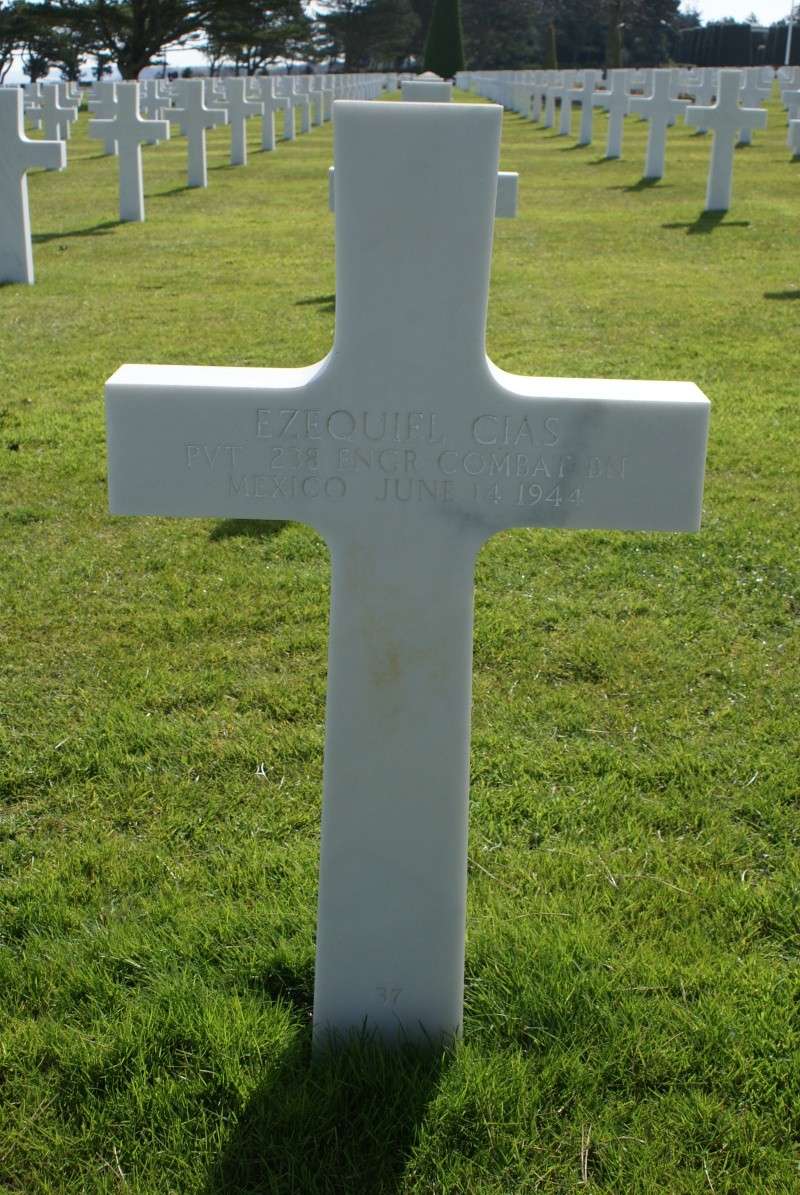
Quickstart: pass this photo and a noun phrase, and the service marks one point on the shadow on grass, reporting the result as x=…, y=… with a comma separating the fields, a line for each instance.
x=603, y=161
x=346, y=1121
x=568, y=149
x=173, y=191
x=96, y=230
x=253, y=528
x=644, y=184
x=787, y=295
x=706, y=222
x=324, y=302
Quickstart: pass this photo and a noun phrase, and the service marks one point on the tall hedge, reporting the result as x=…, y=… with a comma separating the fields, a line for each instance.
x=444, y=48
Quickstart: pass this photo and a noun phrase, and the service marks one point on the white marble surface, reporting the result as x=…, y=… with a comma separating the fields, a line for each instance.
x=617, y=103
x=194, y=118
x=427, y=91
x=725, y=118
x=661, y=110
x=19, y=154
x=240, y=109
x=130, y=130
x=406, y=448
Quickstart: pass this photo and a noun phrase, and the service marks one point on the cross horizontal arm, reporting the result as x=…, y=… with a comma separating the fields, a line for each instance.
x=265, y=443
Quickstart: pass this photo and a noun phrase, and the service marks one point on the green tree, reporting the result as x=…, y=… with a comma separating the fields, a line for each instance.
x=503, y=37
x=551, y=61
x=444, y=50
x=252, y=35
x=131, y=33
x=52, y=41
x=367, y=34
x=15, y=22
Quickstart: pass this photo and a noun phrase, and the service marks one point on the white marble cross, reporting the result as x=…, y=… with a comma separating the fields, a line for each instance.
x=582, y=94
x=240, y=110
x=753, y=93
x=130, y=131
x=617, y=103
x=565, y=119
x=270, y=103
x=725, y=118
x=18, y=154
x=539, y=94
x=661, y=110
x=406, y=447
x=553, y=92
x=194, y=118
x=791, y=101
x=702, y=90
x=69, y=105
x=295, y=100
x=103, y=106
x=55, y=115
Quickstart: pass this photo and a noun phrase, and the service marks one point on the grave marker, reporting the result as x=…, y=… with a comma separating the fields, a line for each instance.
x=19, y=154
x=240, y=109
x=406, y=448
x=55, y=115
x=753, y=93
x=270, y=104
x=130, y=131
x=617, y=103
x=194, y=118
x=583, y=95
x=661, y=110
x=725, y=118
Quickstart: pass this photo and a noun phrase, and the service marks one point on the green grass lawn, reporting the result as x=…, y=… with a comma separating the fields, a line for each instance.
x=633, y=990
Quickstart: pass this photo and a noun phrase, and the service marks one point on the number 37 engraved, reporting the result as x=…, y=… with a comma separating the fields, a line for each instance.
x=389, y=995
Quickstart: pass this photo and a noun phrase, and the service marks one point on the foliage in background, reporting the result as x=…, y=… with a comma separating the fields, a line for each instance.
x=444, y=49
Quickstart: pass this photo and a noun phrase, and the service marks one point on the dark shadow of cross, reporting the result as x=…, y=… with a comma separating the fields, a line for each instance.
x=346, y=1123
x=706, y=223
x=406, y=448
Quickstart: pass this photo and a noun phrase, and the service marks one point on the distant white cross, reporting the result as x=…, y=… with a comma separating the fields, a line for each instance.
x=539, y=94
x=702, y=90
x=661, y=110
x=554, y=92
x=406, y=447
x=240, y=110
x=130, y=131
x=617, y=103
x=18, y=154
x=565, y=119
x=725, y=118
x=103, y=107
x=194, y=118
x=583, y=94
x=753, y=93
x=264, y=94
x=295, y=101
x=55, y=114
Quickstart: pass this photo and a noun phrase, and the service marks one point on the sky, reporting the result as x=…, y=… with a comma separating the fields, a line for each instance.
x=767, y=11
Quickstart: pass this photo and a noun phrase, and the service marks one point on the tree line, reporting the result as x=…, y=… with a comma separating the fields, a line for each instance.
x=77, y=37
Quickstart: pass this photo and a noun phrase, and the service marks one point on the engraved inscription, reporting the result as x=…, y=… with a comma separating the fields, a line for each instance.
x=414, y=457
x=389, y=995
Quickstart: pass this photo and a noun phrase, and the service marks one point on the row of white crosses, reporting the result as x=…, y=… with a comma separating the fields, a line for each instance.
x=733, y=116
x=406, y=448
x=197, y=105
x=126, y=116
